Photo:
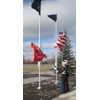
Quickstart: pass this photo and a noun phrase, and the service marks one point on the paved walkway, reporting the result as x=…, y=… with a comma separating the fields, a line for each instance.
x=47, y=73
x=35, y=79
x=68, y=96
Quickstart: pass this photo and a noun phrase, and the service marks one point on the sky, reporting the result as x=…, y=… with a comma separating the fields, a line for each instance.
x=66, y=19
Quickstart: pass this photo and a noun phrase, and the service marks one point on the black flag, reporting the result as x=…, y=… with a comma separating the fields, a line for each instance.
x=37, y=5
x=53, y=17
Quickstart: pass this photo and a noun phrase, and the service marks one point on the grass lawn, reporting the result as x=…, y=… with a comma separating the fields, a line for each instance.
x=34, y=68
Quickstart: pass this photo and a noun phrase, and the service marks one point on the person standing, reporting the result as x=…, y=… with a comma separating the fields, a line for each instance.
x=64, y=78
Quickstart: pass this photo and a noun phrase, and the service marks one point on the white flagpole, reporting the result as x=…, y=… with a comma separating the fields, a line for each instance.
x=56, y=50
x=39, y=64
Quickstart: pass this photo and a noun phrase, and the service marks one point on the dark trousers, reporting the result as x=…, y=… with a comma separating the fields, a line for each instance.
x=64, y=85
x=67, y=85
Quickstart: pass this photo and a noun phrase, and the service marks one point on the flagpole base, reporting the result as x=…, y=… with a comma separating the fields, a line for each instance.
x=56, y=82
x=38, y=88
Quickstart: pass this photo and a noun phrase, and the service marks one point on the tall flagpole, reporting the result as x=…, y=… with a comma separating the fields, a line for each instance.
x=39, y=64
x=37, y=6
x=54, y=18
x=56, y=50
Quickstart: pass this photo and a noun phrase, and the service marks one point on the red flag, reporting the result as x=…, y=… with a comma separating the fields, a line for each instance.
x=38, y=54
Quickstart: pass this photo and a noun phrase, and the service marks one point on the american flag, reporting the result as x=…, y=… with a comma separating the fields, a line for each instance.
x=61, y=42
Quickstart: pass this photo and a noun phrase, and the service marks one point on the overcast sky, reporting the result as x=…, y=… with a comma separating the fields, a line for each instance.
x=66, y=19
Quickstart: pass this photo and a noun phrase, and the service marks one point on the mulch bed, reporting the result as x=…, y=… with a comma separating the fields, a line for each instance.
x=48, y=91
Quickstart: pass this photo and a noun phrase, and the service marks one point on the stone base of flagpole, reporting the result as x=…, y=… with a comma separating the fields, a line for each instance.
x=56, y=82
x=38, y=88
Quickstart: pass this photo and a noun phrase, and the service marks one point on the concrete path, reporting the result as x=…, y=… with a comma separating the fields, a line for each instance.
x=46, y=73
x=34, y=79
x=68, y=96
